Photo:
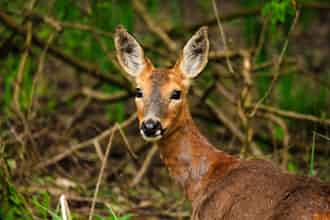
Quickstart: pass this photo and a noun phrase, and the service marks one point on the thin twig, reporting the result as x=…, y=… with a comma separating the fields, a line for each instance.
x=223, y=36
x=277, y=66
x=286, y=137
x=78, y=113
x=82, y=145
x=322, y=136
x=101, y=96
x=98, y=150
x=245, y=12
x=129, y=148
x=40, y=69
x=154, y=27
x=19, y=81
x=221, y=116
x=84, y=67
x=226, y=54
x=244, y=101
x=294, y=115
x=151, y=153
x=99, y=179
x=60, y=25
x=261, y=39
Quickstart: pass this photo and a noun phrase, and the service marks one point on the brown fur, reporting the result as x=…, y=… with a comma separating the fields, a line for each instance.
x=222, y=187
x=157, y=85
x=321, y=216
x=219, y=186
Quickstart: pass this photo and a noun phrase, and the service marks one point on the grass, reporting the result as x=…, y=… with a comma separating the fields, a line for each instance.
x=62, y=212
x=312, y=156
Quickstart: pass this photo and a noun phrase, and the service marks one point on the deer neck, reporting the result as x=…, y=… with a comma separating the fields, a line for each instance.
x=192, y=161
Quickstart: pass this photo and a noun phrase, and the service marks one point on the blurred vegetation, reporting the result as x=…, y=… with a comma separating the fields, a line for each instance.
x=53, y=111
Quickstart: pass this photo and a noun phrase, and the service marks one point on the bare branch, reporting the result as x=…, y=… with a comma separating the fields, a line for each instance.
x=82, y=145
x=99, y=179
x=88, y=68
x=151, y=153
x=223, y=36
x=277, y=66
x=141, y=10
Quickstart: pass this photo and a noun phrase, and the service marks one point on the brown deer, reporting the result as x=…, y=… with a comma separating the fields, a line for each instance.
x=219, y=185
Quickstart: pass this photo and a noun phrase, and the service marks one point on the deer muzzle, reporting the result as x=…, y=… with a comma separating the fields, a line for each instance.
x=151, y=129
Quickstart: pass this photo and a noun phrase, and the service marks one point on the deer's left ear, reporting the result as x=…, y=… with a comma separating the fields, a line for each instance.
x=194, y=56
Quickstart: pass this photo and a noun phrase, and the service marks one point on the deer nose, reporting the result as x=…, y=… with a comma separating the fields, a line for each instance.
x=151, y=128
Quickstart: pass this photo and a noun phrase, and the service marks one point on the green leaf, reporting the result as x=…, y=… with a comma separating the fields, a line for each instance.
x=278, y=11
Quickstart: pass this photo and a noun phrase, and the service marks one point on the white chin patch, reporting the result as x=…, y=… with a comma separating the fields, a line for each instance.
x=151, y=139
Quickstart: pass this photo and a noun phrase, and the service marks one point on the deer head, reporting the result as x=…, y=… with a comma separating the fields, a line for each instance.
x=161, y=94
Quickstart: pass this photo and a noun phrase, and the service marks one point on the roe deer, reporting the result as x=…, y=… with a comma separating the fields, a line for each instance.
x=219, y=185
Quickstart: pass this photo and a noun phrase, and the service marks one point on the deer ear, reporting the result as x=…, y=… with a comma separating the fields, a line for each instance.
x=195, y=54
x=129, y=52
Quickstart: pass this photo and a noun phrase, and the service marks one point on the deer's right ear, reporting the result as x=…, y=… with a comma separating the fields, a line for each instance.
x=129, y=52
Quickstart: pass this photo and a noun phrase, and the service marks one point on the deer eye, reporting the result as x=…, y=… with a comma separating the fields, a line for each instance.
x=138, y=93
x=176, y=95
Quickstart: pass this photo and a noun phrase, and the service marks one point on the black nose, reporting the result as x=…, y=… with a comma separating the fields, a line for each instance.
x=150, y=127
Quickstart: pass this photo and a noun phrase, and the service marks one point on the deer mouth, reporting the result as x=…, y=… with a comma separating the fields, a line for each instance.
x=154, y=137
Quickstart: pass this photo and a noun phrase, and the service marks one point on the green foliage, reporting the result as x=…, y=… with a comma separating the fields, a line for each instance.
x=292, y=167
x=106, y=15
x=26, y=87
x=292, y=96
x=66, y=10
x=12, y=204
x=153, y=6
x=116, y=112
x=113, y=216
x=42, y=203
x=312, y=157
x=278, y=10
x=279, y=133
x=251, y=26
x=8, y=72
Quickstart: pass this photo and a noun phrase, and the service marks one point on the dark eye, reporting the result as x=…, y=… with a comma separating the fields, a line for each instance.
x=138, y=93
x=176, y=94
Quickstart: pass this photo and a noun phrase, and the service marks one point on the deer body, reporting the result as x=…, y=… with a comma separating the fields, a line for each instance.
x=191, y=159
x=218, y=185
